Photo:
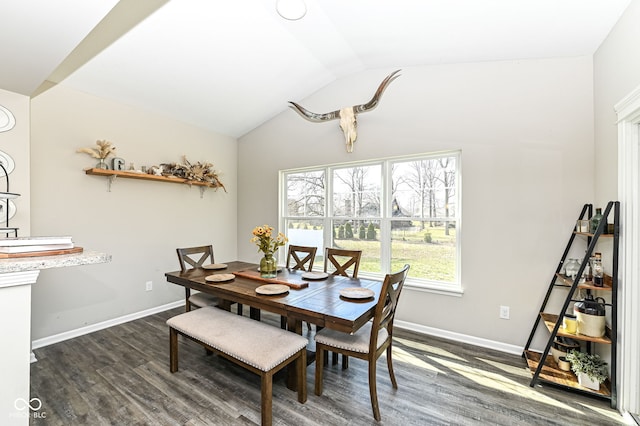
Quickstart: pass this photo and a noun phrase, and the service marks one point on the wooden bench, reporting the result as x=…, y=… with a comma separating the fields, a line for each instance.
x=258, y=347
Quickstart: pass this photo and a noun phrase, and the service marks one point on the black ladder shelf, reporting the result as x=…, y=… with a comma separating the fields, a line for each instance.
x=543, y=365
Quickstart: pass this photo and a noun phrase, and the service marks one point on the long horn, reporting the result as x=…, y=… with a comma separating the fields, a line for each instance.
x=312, y=116
x=376, y=97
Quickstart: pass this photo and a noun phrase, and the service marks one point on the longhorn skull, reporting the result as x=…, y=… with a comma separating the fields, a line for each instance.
x=347, y=115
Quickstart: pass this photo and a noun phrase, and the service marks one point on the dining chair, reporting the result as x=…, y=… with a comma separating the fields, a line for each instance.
x=194, y=258
x=295, y=254
x=305, y=263
x=370, y=341
x=341, y=260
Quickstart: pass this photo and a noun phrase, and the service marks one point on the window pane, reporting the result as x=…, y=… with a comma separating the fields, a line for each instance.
x=305, y=193
x=356, y=191
x=305, y=232
x=428, y=246
x=424, y=188
x=360, y=235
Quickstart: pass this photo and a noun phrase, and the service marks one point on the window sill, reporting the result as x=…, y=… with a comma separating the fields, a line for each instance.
x=446, y=290
x=423, y=285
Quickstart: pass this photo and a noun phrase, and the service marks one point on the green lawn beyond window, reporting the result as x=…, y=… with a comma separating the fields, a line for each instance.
x=435, y=260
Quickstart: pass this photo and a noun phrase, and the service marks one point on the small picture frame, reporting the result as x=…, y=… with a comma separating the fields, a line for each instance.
x=583, y=226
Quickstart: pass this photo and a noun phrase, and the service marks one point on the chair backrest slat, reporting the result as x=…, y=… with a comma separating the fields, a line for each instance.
x=336, y=257
x=194, y=257
x=306, y=263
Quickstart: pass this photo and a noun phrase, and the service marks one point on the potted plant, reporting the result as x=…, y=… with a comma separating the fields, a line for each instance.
x=590, y=369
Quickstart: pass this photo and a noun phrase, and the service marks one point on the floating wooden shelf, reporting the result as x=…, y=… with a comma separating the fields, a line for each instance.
x=552, y=374
x=146, y=176
x=112, y=174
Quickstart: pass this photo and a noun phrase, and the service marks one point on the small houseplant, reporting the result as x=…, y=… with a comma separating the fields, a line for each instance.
x=590, y=369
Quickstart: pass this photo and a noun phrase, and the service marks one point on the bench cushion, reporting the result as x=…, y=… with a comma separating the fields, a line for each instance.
x=252, y=342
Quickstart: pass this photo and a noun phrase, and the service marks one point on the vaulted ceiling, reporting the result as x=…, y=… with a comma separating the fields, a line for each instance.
x=229, y=66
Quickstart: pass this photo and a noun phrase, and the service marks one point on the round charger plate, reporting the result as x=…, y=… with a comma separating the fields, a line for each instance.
x=215, y=266
x=357, y=293
x=270, y=289
x=220, y=278
x=314, y=275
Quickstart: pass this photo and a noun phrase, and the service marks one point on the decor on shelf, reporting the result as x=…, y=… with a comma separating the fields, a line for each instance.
x=347, y=115
x=590, y=369
x=268, y=245
x=571, y=268
x=595, y=221
x=590, y=315
x=196, y=172
x=104, y=150
x=117, y=164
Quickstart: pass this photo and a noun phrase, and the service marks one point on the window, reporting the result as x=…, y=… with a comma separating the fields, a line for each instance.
x=397, y=211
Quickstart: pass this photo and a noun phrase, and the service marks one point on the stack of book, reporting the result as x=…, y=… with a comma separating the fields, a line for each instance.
x=36, y=246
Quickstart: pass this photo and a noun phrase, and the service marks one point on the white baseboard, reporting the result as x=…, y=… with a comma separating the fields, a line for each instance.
x=464, y=338
x=56, y=338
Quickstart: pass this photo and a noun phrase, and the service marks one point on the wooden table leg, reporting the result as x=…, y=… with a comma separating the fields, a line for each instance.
x=294, y=326
x=224, y=304
x=254, y=313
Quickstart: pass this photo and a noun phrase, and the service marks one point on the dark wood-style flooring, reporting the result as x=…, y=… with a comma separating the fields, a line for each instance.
x=120, y=376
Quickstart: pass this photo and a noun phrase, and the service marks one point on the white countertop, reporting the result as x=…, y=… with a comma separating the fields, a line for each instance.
x=20, y=264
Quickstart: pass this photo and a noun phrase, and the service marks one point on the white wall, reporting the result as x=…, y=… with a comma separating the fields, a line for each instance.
x=525, y=129
x=616, y=72
x=140, y=223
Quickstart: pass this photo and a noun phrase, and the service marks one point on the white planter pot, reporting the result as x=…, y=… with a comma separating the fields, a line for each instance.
x=587, y=382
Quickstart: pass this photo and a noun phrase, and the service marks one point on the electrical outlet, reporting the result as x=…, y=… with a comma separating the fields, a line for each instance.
x=504, y=312
x=149, y=285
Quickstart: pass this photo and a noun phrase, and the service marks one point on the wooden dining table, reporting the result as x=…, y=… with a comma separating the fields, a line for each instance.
x=318, y=301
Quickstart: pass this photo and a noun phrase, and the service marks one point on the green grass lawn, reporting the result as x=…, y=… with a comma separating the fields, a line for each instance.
x=432, y=261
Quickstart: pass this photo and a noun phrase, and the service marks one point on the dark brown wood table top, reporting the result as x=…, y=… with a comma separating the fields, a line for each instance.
x=319, y=303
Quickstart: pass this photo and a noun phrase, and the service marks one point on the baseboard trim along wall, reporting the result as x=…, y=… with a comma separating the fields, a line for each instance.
x=457, y=337
x=56, y=338
x=463, y=338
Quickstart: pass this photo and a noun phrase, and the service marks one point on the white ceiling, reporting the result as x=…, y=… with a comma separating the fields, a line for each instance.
x=231, y=65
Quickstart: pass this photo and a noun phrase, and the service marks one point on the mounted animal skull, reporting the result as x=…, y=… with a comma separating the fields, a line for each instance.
x=347, y=115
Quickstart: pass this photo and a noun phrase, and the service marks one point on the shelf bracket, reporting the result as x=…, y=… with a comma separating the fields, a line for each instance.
x=202, y=188
x=110, y=180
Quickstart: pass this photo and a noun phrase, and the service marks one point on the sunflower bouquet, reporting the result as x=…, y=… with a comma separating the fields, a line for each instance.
x=266, y=242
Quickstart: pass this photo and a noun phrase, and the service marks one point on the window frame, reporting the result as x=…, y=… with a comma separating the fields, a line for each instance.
x=385, y=218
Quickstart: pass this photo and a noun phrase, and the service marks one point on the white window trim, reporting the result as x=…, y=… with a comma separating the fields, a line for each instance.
x=450, y=289
x=628, y=110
